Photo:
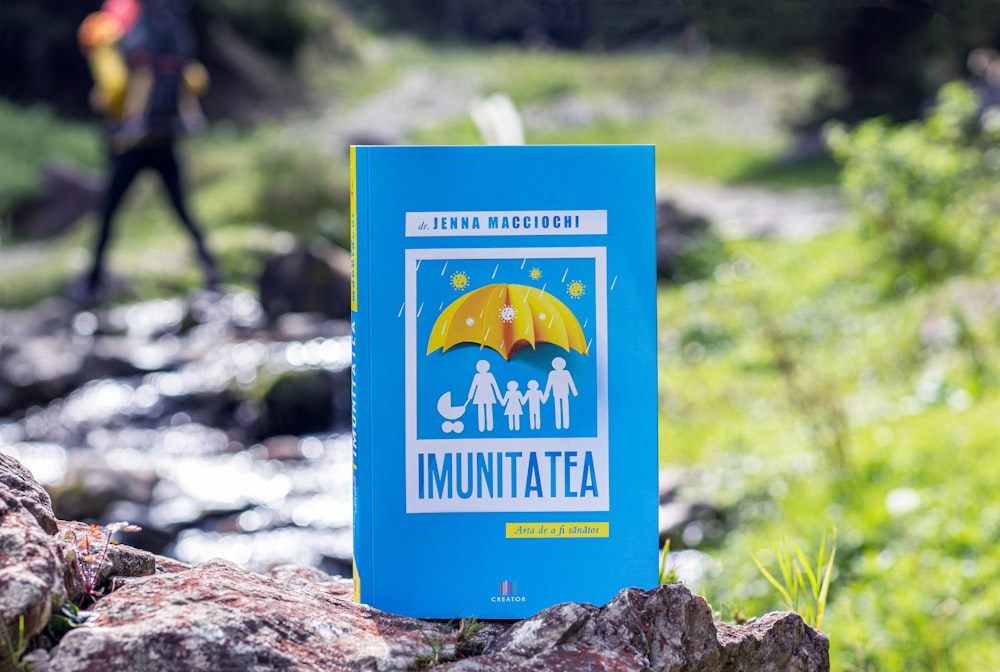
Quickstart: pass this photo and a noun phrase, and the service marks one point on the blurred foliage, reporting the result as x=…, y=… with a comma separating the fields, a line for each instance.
x=38, y=48
x=567, y=23
x=30, y=139
x=917, y=568
x=926, y=191
x=698, y=258
x=888, y=52
x=38, y=44
x=278, y=28
x=893, y=53
x=300, y=191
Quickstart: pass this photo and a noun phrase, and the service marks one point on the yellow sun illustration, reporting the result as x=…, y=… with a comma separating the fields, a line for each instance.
x=535, y=273
x=460, y=280
x=576, y=289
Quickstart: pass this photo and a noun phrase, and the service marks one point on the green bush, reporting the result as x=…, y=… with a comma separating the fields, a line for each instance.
x=31, y=138
x=279, y=28
x=301, y=191
x=926, y=191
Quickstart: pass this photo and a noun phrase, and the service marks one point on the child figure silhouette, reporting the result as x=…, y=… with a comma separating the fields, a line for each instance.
x=513, y=406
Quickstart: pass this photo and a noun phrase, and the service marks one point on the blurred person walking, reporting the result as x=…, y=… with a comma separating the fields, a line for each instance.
x=146, y=86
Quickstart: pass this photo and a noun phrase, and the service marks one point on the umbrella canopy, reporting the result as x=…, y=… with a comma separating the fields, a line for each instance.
x=506, y=318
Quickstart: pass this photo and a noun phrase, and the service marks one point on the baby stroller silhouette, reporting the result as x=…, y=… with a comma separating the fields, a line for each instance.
x=451, y=414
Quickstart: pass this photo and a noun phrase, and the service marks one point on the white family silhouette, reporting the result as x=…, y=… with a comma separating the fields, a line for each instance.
x=485, y=393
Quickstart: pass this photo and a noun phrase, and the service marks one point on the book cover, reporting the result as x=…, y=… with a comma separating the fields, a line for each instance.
x=503, y=377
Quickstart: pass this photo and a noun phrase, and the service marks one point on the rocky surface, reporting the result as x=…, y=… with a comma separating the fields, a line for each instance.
x=156, y=614
x=305, y=280
x=31, y=570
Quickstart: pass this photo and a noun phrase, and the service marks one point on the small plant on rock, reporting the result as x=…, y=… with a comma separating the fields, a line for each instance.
x=463, y=645
x=666, y=575
x=67, y=618
x=16, y=647
x=90, y=553
x=801, y=583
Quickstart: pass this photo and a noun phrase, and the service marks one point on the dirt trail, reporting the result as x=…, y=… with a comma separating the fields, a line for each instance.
x=422, y=98
x=419, y=99
x=747, y=212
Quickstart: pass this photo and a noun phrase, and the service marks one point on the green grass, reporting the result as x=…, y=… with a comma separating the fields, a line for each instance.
x=908, y=491
x=30, y=139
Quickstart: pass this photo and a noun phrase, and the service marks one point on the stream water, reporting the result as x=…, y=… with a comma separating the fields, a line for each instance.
x=171, y=445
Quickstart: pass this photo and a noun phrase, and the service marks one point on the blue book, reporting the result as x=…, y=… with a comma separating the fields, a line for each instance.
x=504, y=377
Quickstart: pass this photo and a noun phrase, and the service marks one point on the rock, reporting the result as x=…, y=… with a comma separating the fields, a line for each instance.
x=31, y=569
x=690, y=524
x=20, y=490
x=306, y=402
x=65, y=195
x=92, y=484
x=36, y=576
x=686, y=245
x=218, y=617
x=686, y=523
x=532, y=636
x=773, y=642
x=307, y=281
x=667, y=628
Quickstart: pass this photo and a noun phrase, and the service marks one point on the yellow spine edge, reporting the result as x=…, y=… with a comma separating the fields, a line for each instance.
x=354, y=231
x=357, y=583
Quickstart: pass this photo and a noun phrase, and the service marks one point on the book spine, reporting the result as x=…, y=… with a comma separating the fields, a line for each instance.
x=360, y=374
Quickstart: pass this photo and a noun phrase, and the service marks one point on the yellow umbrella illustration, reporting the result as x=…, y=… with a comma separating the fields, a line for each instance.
x=506, y=318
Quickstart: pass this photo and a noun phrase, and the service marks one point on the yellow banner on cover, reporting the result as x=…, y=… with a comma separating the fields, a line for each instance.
x=557, y=530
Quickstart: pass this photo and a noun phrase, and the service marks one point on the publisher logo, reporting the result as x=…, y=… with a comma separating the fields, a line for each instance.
x=508, y=593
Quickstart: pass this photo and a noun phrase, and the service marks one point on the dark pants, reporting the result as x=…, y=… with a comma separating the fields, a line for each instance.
x=124, y=168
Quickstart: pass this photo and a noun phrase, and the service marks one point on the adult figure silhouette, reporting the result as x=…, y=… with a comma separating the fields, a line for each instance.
x=484, y=393
x=560, y=385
